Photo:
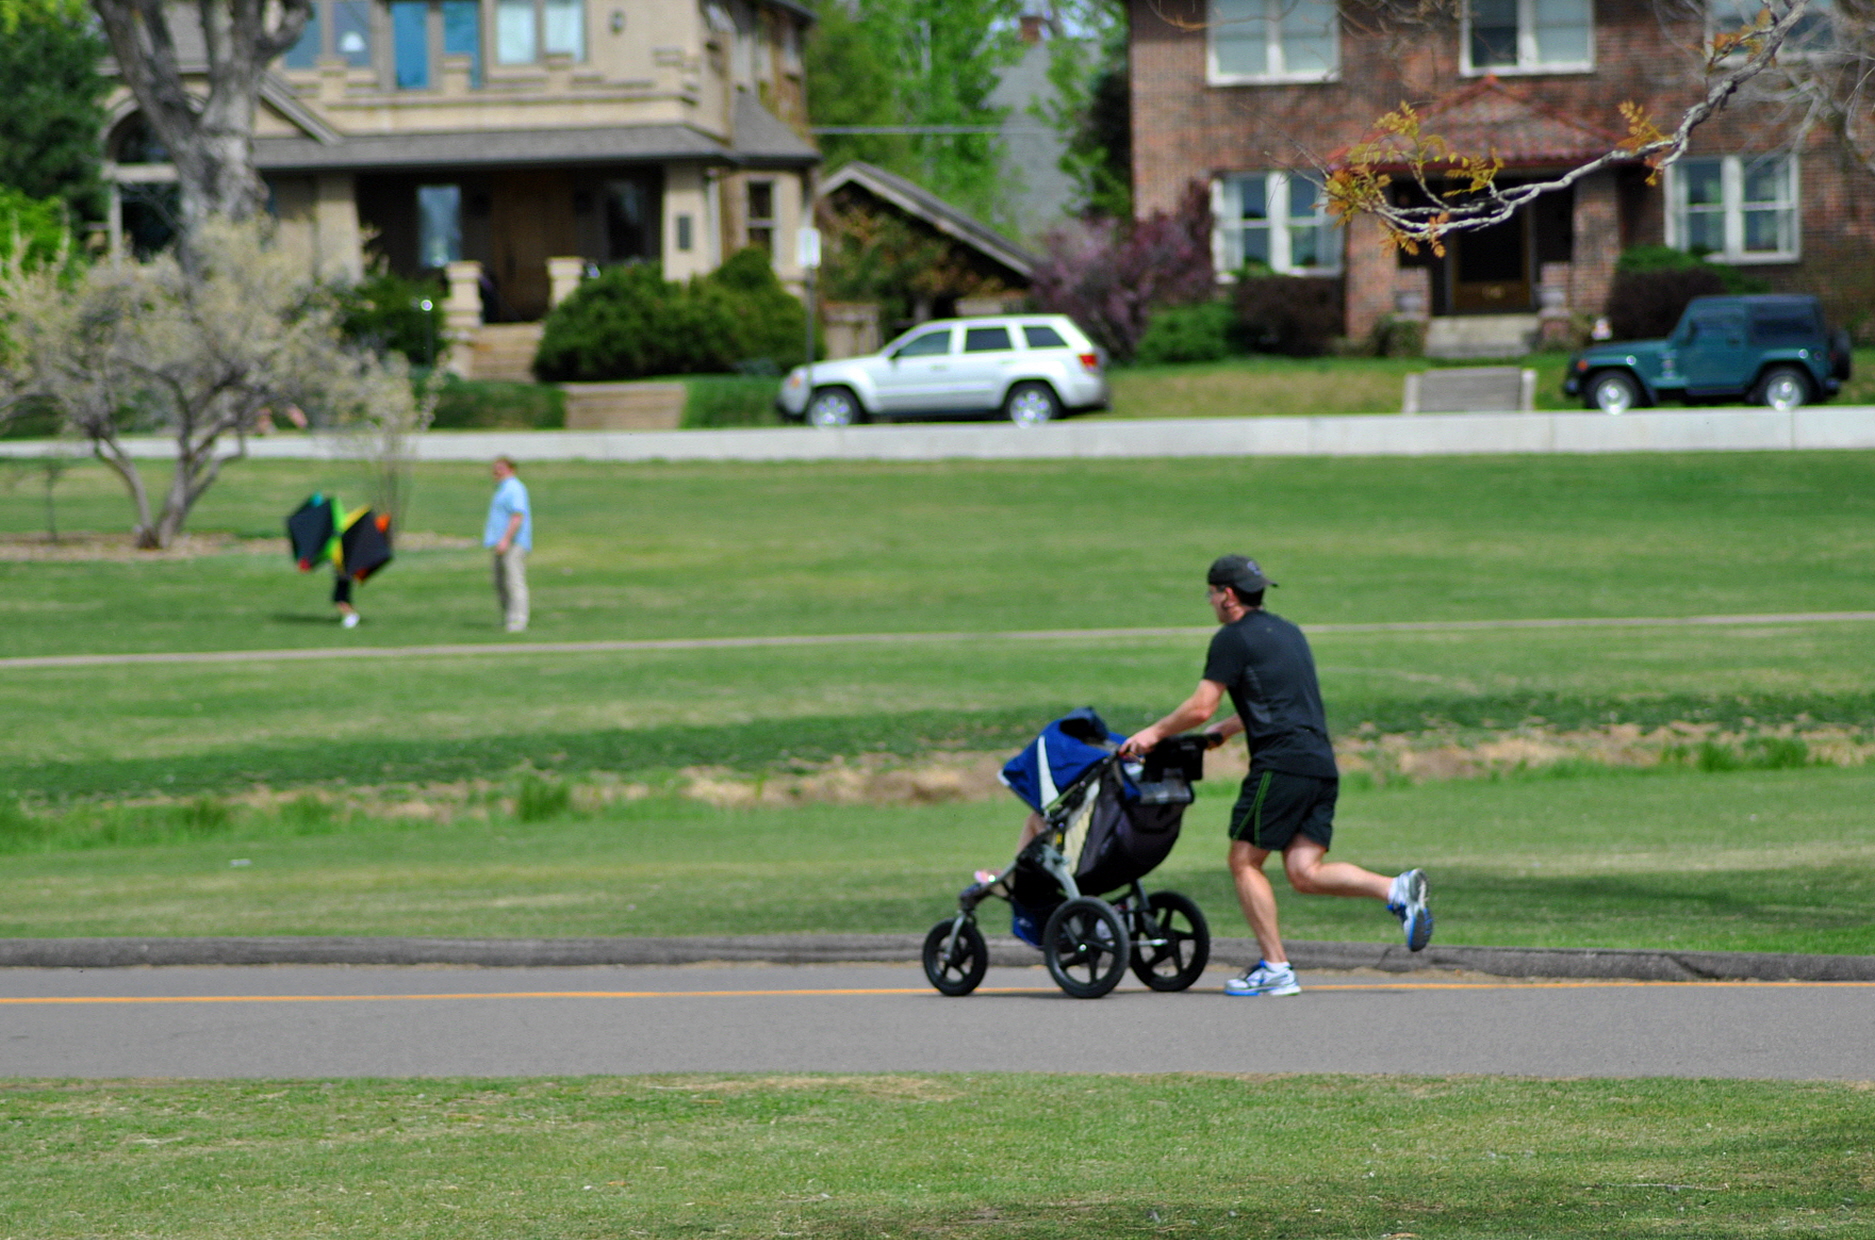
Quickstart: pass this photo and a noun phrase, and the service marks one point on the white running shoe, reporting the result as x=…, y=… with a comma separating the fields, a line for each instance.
x=1407, y=901
x=351, y=620
x=1265, y=979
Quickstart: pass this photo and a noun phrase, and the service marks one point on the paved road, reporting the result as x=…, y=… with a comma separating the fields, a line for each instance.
x=336, y=1021
x=463, y=649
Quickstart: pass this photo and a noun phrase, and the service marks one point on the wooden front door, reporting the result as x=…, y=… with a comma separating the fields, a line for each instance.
x=531, y=220
x=1491, y=269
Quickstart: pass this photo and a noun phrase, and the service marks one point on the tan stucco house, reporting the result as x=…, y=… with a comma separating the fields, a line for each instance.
x=507, y=133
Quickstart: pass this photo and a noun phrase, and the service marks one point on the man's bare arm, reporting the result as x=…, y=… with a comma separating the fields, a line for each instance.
x=1197, y=708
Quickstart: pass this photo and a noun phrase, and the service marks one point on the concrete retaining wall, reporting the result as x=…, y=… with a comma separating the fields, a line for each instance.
x=1459, y=434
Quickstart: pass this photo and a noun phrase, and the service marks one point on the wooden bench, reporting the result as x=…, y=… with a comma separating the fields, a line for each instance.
x=1470, y=389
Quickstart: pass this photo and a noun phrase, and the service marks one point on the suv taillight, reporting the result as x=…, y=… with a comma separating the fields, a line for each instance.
x=1090, y=362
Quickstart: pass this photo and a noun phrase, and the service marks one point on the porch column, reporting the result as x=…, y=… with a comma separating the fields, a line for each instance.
x=1597, y=242
x=338, y=243
x=563, y=277
x=462, y=315
x=687, y=222
x=1371, y=271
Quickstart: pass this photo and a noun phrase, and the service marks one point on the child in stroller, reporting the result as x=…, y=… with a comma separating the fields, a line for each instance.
x=1100, y=823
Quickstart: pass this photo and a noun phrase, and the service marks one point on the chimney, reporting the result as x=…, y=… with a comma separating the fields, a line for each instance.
x=1031, y=28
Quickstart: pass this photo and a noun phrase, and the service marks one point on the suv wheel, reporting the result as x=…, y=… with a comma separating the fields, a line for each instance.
x=834, y=406
x=1783, y=388
x=1613, y=392
x=1031, y=404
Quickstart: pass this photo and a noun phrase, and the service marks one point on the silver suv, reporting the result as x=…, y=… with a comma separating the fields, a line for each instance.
x=1031, y=368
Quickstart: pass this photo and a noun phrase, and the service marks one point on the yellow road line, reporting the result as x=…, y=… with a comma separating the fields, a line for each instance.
x=41, y=1000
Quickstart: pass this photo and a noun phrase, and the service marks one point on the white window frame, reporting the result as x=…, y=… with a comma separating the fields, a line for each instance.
x=1279, y=185
x=1527, y=62
x=1732, y=194
x=1273, y=42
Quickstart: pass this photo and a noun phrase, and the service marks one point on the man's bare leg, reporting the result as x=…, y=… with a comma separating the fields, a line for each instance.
x=1257, y=898
x=1311, y=874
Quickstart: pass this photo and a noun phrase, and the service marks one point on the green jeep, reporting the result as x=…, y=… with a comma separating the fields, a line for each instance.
x=1772, y=349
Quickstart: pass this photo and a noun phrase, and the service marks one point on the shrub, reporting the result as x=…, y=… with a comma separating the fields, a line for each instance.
x=384, y=313
x=631, y=322
x=730, y=400
x=1294, y=315
x=537, y=800
x=36, y=223
x=1199, y=333
x=1653, y=283
x=465, y=404
x=1110, y=279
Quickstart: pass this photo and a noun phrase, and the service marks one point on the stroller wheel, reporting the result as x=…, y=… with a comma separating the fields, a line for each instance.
x=1174, y=942
x=955, y=968
x=1086, y=947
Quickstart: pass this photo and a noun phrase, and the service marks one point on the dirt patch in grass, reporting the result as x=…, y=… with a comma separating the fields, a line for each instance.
x=91, y=545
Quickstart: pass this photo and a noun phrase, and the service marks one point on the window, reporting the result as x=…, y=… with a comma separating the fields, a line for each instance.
x=527, y=29
x=1739, y=209
x=631, y=221
x=928, y=345
x=1273, y=40
x=1785, y=328
x=1041, y=337
x=1529, y=36
x=462, y=34
x=305, y=53
x=987, y=340
x=351, y=32
x=1277, y=220
x=683, y=233
x=566, y=28
x=439, y=224
x=762, y=215
x=410, y=41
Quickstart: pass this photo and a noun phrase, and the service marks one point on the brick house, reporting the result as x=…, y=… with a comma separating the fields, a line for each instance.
x=510, y=143
x=1254, y=96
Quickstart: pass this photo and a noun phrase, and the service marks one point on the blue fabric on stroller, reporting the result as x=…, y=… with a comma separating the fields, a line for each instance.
x=1065, y=751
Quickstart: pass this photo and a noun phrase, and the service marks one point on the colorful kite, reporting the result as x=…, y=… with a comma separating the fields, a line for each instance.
x=357, y=544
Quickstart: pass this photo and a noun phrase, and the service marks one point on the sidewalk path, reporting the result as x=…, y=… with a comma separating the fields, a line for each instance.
x=1443, y=434
x=325, y=1022
x=27, y=662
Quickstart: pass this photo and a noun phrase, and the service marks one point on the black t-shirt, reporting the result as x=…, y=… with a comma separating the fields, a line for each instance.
x=1264, y=662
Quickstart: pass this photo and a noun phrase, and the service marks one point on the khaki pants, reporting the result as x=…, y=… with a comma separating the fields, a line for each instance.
x=511, y=587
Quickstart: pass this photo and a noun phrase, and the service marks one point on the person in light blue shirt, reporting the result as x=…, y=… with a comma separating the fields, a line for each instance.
x=509, y=533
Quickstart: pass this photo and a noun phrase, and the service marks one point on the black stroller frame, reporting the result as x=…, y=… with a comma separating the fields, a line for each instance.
x=1087, y=942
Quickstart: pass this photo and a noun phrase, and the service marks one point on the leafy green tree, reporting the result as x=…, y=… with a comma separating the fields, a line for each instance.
x=1092, y=106
x=940, y=61
x=52, y=109
x=36, y=225
x=849, y=82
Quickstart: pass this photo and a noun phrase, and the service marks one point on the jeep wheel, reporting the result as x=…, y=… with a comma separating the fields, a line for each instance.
x=1783, y=388
x=834, y=406
x=1613, y=392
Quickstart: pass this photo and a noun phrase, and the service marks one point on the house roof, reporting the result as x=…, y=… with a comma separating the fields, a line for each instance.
x=917, y=201
x=1489, y=118
x=762, y=141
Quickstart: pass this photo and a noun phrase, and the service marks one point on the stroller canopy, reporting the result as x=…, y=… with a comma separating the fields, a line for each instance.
x=1065, y=751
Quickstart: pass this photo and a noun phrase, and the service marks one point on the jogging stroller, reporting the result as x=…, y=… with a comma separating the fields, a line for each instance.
x=1109, y=822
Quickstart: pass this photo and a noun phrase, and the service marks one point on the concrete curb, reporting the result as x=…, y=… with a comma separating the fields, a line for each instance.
x=1812, y=427
x=1652, y=966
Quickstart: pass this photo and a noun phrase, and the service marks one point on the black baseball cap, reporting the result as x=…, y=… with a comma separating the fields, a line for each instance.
x=1239, y=571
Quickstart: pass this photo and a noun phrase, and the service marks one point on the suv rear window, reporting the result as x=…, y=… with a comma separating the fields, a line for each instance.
x=1042, y=337
x=986, y=339
x=1783, y=327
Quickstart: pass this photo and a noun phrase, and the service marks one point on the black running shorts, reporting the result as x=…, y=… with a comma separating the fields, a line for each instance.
x=1276, y=806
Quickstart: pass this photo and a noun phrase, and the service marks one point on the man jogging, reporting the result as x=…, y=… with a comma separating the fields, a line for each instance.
x=1288, y=800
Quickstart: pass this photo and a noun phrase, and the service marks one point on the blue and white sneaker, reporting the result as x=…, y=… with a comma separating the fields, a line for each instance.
x=1407, y=901
x=1265, y=979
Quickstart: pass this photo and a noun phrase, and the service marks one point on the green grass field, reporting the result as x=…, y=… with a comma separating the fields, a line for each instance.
x=936, y=1156
x=132, y=778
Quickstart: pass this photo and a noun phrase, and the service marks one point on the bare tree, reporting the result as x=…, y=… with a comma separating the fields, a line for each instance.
x=210, y=136
x=197, y=354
